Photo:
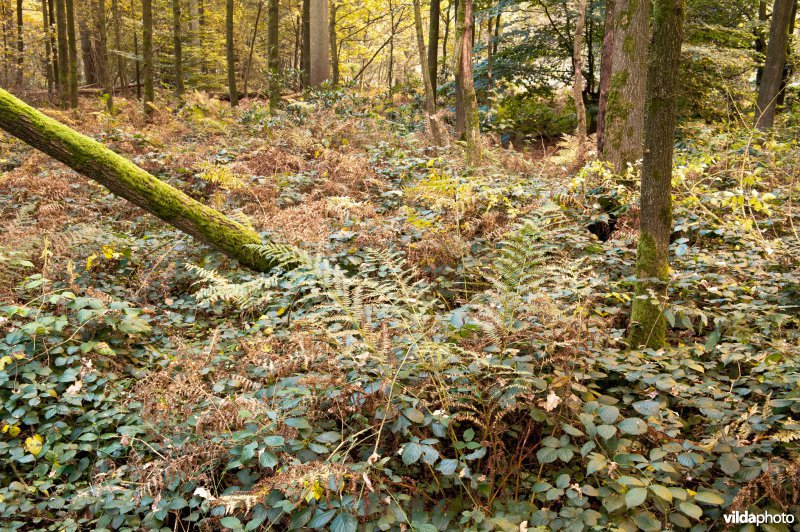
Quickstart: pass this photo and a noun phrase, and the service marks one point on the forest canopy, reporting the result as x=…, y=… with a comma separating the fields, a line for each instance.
x=360, y=265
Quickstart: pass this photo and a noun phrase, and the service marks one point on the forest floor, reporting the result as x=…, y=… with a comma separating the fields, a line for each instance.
x=449, y=353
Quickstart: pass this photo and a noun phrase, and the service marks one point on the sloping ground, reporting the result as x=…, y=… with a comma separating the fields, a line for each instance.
x=449, y=354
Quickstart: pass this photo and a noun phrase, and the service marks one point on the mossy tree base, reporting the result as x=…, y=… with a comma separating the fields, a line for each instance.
x=128, y=181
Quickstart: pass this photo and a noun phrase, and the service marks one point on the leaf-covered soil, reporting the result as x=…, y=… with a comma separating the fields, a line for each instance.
x=449, y=354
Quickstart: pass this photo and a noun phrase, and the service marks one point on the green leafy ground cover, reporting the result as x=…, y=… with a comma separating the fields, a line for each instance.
x=442, y=350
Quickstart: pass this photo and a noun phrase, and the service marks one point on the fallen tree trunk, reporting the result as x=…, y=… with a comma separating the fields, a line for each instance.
x=126, y=180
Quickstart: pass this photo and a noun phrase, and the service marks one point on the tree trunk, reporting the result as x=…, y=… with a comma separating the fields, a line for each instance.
x=105, y=57
x=577, y=87
x=334, y=46
x=48, y=49
x=20, y=44
x=446, y=35
x=87, y=55
x=229, y=53
x=437, y=131
x=606, y=59
x=761, y=41
x=624, y=116
x=51, y=14
x=147, y=52
x=128, y=181
x=773, y=68
x=123, y=78
x=389, y=77
x=305, y=52
x=648, y=325
x=63, y=53
x=320, y=43
x=194, y=24
x=489, y=57
x=177, y=47
x=136, y=53
x=465, y=82
x=73, y=55
x=788, y=69
x=252, y=47
x=433, y=44
x=273, y=58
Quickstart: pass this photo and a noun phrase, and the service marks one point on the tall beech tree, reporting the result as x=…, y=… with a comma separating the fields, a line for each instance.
x=466, y=100
x=606, y=58
x=73, y=54
x=177, y=47
x=624, y=112
x=230, y=55
x=105, y=56
x=433, y=43
x=63, y=53
x=773, y=67
x=648, y=324
x=147, y=53
x=320, y=43
x=436, y=129
x=20, y=44
x=128, y=181
x=577, y=86
x=273, y=57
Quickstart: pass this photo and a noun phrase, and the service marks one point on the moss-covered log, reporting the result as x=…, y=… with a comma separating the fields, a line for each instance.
x=126, y=180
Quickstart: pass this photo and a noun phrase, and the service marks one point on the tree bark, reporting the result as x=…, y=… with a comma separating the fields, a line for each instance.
x=433, y=44
x=577, y=87
x=788, y=69
x=252, y=48
x=73, y=55
x=48, y=49
x=773, y=67
x=320, y=43
x=87, y=55
x=334, y=52
x=128, y=181
x=606, y=59
x=648, y=325
x=465, y=82
x=489, y=56
x=229, y=53
x=105, y=57
x=273, y=58
x=305, y=52
x=177, y=47
x=63, y=53
x=123, y=78
x=147, y=52
x=20, y=45
x=436, y=130
x=624, y=116
x=51, y=14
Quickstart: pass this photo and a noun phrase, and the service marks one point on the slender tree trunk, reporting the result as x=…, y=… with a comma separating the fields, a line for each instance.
x=489, y=57
x=577, y=88
x=334, y=52
x=177, y=47
x=20, y=45
x=761, y=40
x=392, y=27
x=105, y=57
x=147, y=53
x=229, y=52
x=446, y=36
x=606, y=60
x=648, y=325
x=123, y=78
x=305, y=54
x=788, y=69
x=252, y=47
x=465, y=82
x=624, y=116
x=48, y=49
x=136, y=53
x=320, y=43
x=63, y=53
x=273, y=58
x=436, y=130
x=433, y=44
x=773, y=68
x=73, y=55
x=51, y=13
x=88, y=55
x=128, y=181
